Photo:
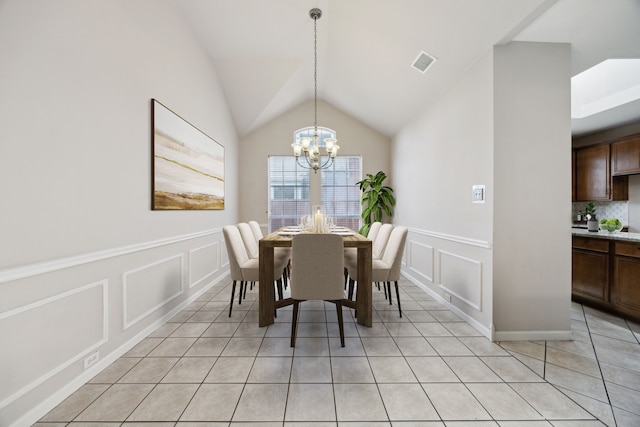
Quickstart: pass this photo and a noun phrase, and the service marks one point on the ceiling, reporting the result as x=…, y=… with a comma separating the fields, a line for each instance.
x=263, y=51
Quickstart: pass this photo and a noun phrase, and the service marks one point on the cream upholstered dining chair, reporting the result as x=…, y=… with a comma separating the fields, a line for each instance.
x=243, y=268
x=352, y=253
x=380, y=242
x=256, y=230
x=249, y=239
x=253, y=250
x=373, y=230
x=277, y=252
x=317, y=264
x=379, y=245
x=387, y=269
x=380, y=239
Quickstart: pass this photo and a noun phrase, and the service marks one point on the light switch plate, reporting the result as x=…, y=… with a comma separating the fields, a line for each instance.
x=477, y=195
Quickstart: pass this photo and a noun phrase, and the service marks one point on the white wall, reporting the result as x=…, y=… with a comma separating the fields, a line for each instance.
x=505, y=263
x=437, y=158
x=85, y=264
x=532, y=176
x=276, y=137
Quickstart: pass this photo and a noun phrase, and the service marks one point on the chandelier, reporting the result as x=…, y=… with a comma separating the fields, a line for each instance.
x=307, y=147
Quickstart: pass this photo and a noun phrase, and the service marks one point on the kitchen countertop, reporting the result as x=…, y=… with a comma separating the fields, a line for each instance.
x=627, y=237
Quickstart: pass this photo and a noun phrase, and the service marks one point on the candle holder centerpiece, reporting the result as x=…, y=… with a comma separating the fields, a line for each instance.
x=318, y=216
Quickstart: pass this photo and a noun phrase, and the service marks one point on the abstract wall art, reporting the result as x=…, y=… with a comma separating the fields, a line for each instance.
x=188, y=166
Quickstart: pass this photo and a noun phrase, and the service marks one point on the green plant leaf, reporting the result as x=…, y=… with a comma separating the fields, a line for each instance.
x=377, y=199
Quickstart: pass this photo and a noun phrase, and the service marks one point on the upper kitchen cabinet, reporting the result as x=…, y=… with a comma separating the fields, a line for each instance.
x=625, y=156
x=594, y=180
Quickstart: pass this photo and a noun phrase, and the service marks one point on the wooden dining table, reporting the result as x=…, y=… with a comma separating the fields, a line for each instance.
x=280, y=239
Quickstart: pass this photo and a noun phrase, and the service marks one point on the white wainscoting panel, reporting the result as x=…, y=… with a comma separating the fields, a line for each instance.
x=47, y=336
x=224, y=257
x=150, y=287
x=461, y=277
x=421, y=259
x=203, y=263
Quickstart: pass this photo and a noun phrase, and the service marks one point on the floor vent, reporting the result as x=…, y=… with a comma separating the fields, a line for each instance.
x=423, y=62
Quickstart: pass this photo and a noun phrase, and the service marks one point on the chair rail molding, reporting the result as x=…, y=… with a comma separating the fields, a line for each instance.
x=453, y=238
x=36, y=269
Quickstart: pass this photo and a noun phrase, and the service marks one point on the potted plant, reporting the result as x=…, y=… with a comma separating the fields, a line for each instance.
x=376, y=200
x=590, y=213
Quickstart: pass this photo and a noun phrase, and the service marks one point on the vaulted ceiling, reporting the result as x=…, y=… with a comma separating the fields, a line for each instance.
x=263, y=50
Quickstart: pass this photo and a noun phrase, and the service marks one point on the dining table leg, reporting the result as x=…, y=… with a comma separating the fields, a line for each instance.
x=364, y=310
x=265, y=286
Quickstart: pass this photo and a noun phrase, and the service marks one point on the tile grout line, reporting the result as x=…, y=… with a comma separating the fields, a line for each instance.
x=586, y=321
x=604, y=383
x=385, y=322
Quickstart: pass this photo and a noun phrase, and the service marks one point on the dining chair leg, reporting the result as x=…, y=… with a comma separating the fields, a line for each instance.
x=285, y=278
x=388, y=285
x=279, y=287
x=398, y=298
x=243, y=285
x=294, y=323
x=384, y=286
x=351, y=286
x=244, y=294
x=233, y=292
x=275, y=310
x=340, y=322
x=346, y=278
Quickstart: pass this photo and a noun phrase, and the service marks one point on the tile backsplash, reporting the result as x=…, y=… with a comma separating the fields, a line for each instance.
x=607, y=210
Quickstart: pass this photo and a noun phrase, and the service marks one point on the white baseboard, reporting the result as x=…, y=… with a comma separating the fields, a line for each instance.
x=533, y=336
x=486, y=331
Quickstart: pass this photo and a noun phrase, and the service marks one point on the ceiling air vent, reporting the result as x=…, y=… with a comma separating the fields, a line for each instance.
x=423, y=62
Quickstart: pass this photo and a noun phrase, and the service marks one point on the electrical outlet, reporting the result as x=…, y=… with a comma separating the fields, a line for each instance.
x=91, y=359
x=447, y=296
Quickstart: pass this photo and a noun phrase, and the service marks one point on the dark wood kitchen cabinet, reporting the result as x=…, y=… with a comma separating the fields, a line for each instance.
x=625, y=156
x=590, y=268
x=594, y=180
x=605, y=274
x=625, y=292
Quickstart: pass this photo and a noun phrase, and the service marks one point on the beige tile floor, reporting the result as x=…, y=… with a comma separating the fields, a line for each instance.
x=428, y=368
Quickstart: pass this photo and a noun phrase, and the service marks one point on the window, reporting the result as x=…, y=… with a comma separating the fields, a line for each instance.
x=288, y=192
x=322, y=134
x=290, y=195
x=339, y=193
